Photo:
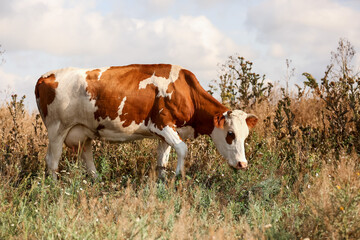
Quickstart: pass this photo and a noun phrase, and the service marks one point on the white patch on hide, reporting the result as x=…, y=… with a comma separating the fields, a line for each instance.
x=162, y=83
x=72, y=104
x=121, y=107
x=167, y=132
x=101, y=72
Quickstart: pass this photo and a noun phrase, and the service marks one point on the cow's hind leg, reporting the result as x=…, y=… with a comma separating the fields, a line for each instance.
x=163, y=158
x=81, y=136
x=87, y=157
x=53, y=155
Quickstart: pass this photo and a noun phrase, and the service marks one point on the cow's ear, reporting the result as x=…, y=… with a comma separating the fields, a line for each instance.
x=219, y=120
x=251, y=120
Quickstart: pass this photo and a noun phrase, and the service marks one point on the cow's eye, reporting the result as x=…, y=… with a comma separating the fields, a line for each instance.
x=231, y=134
x=230, y=137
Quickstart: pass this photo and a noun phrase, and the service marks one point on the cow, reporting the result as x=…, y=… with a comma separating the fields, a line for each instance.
x=126, y=103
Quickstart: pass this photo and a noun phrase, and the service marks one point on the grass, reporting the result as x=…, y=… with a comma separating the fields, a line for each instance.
x=269, y=201
x=303, y=180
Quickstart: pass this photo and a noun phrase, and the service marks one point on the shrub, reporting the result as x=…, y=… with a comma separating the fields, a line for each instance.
x=240, y=87
x=340, y=92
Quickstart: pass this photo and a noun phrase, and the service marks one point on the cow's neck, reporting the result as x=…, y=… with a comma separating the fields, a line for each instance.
x=206, y=108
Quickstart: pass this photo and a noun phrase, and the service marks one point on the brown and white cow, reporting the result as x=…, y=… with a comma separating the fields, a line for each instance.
x=125, y=103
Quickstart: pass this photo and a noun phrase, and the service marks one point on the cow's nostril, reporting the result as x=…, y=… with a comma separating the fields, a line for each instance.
x=241, y=165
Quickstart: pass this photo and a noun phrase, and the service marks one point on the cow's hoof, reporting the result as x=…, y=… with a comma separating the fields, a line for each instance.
x=52, y=174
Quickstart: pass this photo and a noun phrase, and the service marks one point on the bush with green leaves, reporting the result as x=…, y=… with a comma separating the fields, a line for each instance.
x=339, y=90
x=239, y=86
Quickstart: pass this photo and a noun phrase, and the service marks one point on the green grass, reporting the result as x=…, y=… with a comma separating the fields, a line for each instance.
x=303, y=179
x=212, y=200
x=290, y=191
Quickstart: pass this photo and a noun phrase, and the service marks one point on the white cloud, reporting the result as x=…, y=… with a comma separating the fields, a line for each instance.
x=305, y=31
x=277, y=50
x=211, y=3
x=7, y=86
x=65, y=33
x=161, y=4
x=7, y=80
x=307, y=26
x=50, y=27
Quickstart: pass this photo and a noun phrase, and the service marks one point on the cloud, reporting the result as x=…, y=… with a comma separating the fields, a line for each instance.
x=65, y=33
x=304, y=26
x=7, y=80
x=49, y=26
x=80, y=30
x=161, y=4
x=305, y=31
x=211, y=3
x=277, y=50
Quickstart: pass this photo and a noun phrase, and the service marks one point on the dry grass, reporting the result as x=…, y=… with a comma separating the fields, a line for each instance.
x=280, y=197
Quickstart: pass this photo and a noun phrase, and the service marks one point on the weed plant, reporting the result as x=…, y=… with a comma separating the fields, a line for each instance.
x=303, y=180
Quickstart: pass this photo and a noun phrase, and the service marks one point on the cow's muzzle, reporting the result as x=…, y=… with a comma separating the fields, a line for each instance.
x=241, y=165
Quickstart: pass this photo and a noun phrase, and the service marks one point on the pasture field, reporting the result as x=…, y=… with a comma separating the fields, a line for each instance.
x=303, y=180
x=292, y=189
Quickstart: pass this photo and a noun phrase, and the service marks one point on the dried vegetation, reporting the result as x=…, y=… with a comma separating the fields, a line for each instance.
x=303, y=180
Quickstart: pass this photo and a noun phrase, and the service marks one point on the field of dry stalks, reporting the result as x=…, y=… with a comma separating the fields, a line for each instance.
x=303, y=179
x=292, y=189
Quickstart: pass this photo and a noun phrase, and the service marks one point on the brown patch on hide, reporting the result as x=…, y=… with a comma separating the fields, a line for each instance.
x=116, y=83
x=45, y=92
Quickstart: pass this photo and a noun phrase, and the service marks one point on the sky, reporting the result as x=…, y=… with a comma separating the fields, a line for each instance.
x=41, y=35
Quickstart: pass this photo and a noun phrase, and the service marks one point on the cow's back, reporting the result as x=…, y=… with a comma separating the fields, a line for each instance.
x=117, y=98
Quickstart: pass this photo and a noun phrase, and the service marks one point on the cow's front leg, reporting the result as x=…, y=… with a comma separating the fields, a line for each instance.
x=163, y=158
x=181, y=150
x=173, y=139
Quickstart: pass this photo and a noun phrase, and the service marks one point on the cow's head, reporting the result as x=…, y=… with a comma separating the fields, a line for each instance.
x=229, y=134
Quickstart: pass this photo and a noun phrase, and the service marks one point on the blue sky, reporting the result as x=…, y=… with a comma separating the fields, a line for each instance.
x=42, y=35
